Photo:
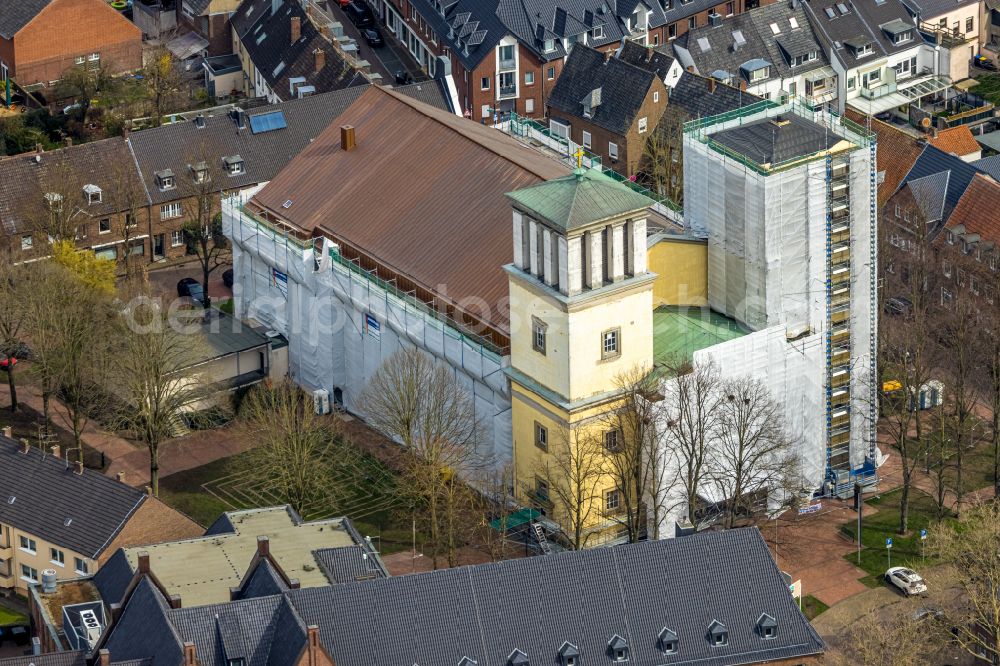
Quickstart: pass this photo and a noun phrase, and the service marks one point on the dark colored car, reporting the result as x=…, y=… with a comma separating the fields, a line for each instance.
x=192, y=289
x=227, y=278
x=359, y=14
x=403, y=77
x=373, y=37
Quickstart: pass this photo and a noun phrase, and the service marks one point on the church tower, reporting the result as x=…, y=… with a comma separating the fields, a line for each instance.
x=581, y=308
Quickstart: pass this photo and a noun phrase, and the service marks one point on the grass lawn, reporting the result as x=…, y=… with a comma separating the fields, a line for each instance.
x=875, y=529
x=811, y=607
x=989, y=87
x=205, y=492
x=7, y=617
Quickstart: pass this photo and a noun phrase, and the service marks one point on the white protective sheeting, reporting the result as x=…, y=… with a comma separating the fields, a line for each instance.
x=341, y=326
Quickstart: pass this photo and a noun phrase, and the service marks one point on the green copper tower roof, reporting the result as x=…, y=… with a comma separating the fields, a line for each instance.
x=580, y=199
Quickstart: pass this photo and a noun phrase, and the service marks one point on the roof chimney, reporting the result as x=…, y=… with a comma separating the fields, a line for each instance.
x=79, y=467
x=189, y=654
x=296, y=28
x=8, y=432
x=24, y=445
x=320, y=56
x=174, y=601
x=104, y=658
x=149, y=491
x=120, y=476
x=312, y=643
x=55, y=450
x=69, y=141
x=263, y=546
x=933, y=132
x=711, y=85
x=347, y=138
x=143, y=559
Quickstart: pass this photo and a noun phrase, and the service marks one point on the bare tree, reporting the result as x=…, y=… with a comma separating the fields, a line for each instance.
x=53, y=210
x=970, y=545
x=892, y=637
x=692, y=412
x=163, y=80
x=939, y=452
x=752, y=453
x=662, y=164
x=155, y=379
x=575, y=471
x=495, y=500
x=635, y=450
x=13, y=317
x=130, y=199
x=418, y=402
x=298, y=455
x=908, y=351
x=84, y=84
x=203, y=224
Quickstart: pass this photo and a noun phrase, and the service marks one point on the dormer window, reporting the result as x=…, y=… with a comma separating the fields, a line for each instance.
x=618, y=649
x=590, y=102
x=759, y=74
x=199, y=172
x=767, y=627
x=93, y=194
x=569, y=655
x=466, y=661
x=518, y=658
x=902, y=37
x=550, y=45
x=165, y=180
x=233, y=165
x=668, y=641
x=597, y=32
x=718, y=635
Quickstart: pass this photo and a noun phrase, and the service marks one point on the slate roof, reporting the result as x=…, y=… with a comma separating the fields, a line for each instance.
x=584, y=598
x=263, y=581
x=75, y=658
x=696, y=96
x=768, y=142
x=647, y=58
x=623, y=88
x=930, y=9
x=581, y=198
x=958, y=140
x=113, y=577
x=347, y=564
x=989, y=165
x=760, y=42
x=267, y=40
x=16, y=15
x=44, y=496
x=933, y=161
x=929, y=195
x=860, y=24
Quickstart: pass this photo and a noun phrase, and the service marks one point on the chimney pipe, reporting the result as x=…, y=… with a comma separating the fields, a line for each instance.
x=347, y=139
x=8, y=432
x=934, y=132
x=296, y=28
x=312, y=643
x=55, y=450
x=320, y=56
x=149, y=491
x=743, y=85
x=294, y=584
x=24, y=445
x=174, y=601
x=120, y=476
x=263, y=546
x=79, y=467
x=189, y=654
x=143, y=558
x=69, y=141
x=711, y=85
x=104, y=658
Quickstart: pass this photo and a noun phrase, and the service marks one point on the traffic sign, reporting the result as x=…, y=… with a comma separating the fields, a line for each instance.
x=888, y=542
x=923, y=534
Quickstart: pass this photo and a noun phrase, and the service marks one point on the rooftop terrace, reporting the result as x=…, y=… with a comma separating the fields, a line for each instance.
x=678, y=332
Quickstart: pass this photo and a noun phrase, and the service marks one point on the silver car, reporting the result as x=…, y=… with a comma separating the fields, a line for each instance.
x=907, y=580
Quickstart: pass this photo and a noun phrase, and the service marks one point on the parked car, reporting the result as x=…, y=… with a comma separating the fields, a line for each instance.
x=359, y=14
x=18, y=634
x=344, y=3
x=192, y=289
x=373, y=37
x=403, y=77
x=227, y=278
x=983, y=62
x=908, y=581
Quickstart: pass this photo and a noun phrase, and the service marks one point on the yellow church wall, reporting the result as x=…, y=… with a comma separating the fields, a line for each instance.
x=681, y=265
x=550, y=369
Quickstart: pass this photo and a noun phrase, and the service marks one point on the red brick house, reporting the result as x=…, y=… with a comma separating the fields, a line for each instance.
x=40, y=39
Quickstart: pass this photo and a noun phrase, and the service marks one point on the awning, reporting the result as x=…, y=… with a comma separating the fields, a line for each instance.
x=965, y=84
x=187, y=45
x=990, y=140
x=910, y=91
x=821, y=73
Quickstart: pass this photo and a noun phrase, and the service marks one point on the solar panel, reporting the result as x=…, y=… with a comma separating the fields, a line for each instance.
x=265, y=122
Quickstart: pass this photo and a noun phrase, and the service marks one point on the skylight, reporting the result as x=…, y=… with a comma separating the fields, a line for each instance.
x=775, y=29
x=830, y=13
x=792, y=22
x=842, y=8
x=265, y=122
x=704, y=45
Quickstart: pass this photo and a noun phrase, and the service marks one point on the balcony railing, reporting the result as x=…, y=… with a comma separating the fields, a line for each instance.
x=508, y=65
x=506, y=92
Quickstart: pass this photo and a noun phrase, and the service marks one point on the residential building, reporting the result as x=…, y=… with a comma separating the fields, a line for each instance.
x=770, y=52
x=659, y=60
x=607, y=106
x=989, y=32
x=706, y=606
x=896, y=155
x=284, y=55
x=210, y=19
x=881, y=59
x=58, y=517
x=957, y=23
x=100, y=37
x=952, y=173
x=155, y=17
x=702, y=97
x=958, y=141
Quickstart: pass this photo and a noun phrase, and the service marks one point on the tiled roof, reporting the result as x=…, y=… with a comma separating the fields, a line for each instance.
x=43, y=496
x=583, y=597
x=581, y=198
x=989, y=165
x=113, y=578
x=956, y=140
x=977, y=209
x=931, y=9
x=144, y=629
x=646, y=58
x=623, y=88
x=422, y=232
x=267, y=41
x=896, y=153
x=932, y=161
x=16, y=15
x=769, y=142
x=75, y=658
x=861, y=23
x=701, y=97
x=263, y=581
x=929, y=195
x=343, y=565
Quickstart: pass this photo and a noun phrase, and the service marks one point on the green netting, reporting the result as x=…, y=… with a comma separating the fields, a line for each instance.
x=515, y=519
